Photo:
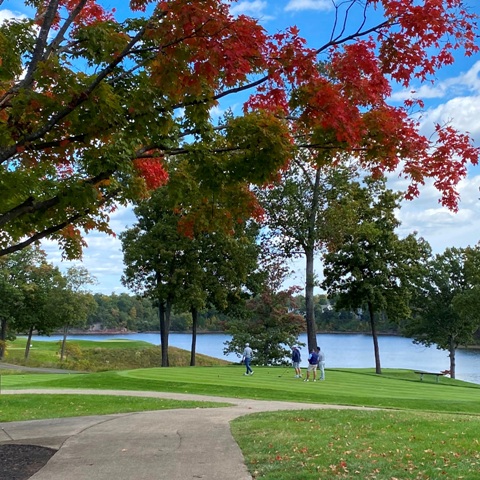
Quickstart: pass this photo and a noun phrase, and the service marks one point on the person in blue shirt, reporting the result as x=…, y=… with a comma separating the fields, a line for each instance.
x=312, y=365
x=296, y=359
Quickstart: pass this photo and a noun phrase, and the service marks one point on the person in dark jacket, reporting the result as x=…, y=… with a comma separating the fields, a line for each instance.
x=296, y=359
x=312, y=365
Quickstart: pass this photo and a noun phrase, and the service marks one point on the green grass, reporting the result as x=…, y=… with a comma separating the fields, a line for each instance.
x=399, y=389
x=332, y=444
x=34, y=407
x=94, y=356
x=427, y=430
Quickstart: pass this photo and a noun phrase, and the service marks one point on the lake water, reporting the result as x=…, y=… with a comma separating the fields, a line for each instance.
x=341, y=351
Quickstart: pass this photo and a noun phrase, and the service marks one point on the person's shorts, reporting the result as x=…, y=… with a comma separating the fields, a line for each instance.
x=312, y=368
x=296, y=364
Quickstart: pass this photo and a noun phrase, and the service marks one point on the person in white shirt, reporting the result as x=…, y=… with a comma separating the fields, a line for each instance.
x=321, y=363
x=247, y=358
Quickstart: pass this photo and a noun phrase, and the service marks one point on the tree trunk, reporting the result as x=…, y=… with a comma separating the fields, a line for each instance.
x=3, y=337
x=309, y=304
x=64, y=343
x=165, y=309
x=378, y=368
x=29, y=341
x=194, y=335
x=451, y=354
x=309, y=259
x=163, y=333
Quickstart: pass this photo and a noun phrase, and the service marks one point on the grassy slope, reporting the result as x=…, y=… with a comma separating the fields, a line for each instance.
x=87, y=355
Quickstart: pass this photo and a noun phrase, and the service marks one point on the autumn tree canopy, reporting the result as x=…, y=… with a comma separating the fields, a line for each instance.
x=93, y=106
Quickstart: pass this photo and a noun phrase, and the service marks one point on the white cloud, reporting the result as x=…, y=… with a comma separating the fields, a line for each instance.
x=466, y=83
x=462, y=112
x=103, y=256
x=252, y=8
x=441, y=227
x=296, y=5
x=9, y=15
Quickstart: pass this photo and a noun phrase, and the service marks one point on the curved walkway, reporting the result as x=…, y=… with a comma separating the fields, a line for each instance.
x=167, y=444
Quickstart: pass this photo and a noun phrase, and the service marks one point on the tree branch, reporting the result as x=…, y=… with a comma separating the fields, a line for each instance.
x=30, y=206
x=63, y=29
x=53, y=229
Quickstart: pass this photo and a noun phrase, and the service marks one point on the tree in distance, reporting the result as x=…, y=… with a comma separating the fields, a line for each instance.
x=306, y=211
x=446, y=304
x=374, y=269
x=189, y=270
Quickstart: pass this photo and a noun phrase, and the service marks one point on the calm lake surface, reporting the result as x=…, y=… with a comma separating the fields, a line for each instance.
x=341, y=351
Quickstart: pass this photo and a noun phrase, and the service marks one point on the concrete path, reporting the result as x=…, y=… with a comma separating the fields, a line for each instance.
x=169, y=444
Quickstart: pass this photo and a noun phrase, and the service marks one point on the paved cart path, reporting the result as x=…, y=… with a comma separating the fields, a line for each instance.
x=167, y=444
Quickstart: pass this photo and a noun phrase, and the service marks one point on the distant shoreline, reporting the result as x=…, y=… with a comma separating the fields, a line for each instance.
x=157, y=332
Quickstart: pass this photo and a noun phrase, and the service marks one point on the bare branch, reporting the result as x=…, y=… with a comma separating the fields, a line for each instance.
x=63, y=29
x=39, y=50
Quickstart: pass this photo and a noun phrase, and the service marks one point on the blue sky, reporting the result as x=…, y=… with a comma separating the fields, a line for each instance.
x=454, y=97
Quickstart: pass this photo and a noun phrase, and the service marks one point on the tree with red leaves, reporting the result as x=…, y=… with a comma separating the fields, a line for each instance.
x=93, y=108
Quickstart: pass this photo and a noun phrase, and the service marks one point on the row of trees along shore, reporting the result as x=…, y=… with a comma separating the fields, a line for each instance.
x=442, y=308
x=100, y=109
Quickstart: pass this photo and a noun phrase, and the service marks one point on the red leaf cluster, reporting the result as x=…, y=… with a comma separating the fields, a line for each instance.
x=412, y=43
x=90, y=13
x=152, y=171
x=204, y=48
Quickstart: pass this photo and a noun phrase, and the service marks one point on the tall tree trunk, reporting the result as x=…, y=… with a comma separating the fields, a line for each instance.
x=29, y=342
x=309, y=259
x=309, y=305
x=3, y=336
x=378, y=368
x=64, y=342
x=451, y=354
x=194, y=335
x=163, y=333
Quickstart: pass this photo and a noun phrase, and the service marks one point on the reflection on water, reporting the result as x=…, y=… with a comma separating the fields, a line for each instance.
x=341, y=350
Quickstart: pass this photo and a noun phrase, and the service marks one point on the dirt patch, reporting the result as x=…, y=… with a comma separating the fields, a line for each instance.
x=20, y=462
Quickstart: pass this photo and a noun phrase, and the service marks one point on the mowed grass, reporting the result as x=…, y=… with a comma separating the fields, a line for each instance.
x=398, y=389
x=34, y=407
x=421, y=430
x=382, y=445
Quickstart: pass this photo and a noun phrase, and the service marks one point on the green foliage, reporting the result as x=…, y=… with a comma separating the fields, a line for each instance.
x=262, y=147
x=32, y=289
x=73, y=352
x=269, y=325
x=373, y=269
x=307, y=211
x=180, y=267
x=117, y=312
x=446, y=304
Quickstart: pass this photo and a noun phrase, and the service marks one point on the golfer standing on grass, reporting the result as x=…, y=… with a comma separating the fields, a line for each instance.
x=321, y=363
x=312, y=365
x=247, y=358
x=296, y=359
